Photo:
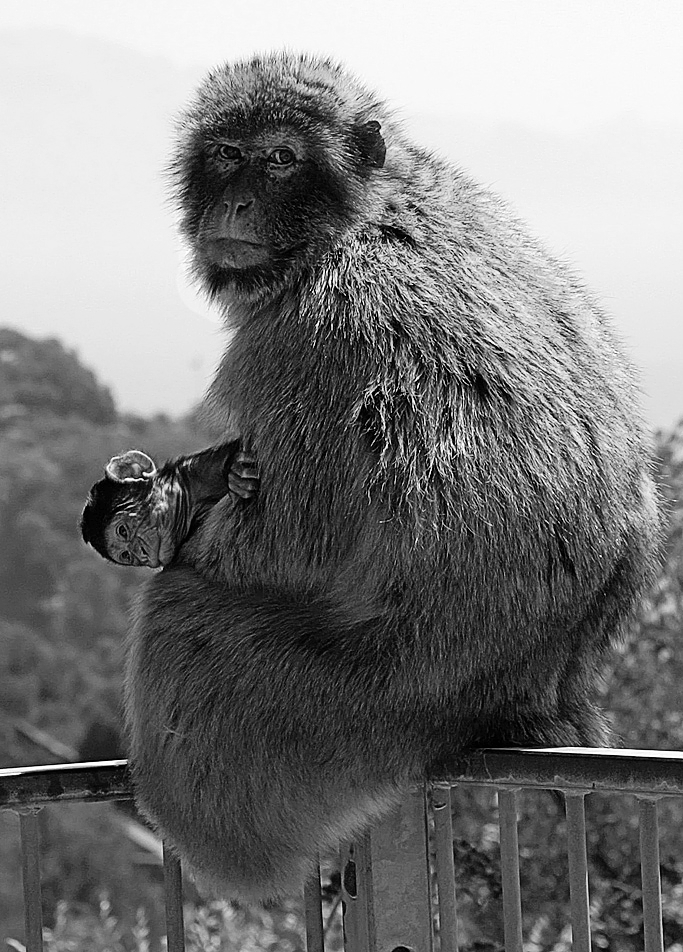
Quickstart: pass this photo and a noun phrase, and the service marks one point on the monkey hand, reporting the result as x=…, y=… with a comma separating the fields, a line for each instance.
x=243, y=479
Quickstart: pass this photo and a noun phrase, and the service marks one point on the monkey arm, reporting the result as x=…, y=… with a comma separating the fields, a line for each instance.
x=208, y=475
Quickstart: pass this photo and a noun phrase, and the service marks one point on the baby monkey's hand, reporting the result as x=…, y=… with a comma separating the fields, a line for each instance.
x=243, y=479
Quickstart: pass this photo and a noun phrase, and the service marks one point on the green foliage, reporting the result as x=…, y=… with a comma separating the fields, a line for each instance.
x=80, y=927
x=221, y=927
x=214, y=927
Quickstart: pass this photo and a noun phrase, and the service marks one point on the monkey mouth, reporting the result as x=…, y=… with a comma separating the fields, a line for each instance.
x=235, y=252
x=149, y=548
x=165, y=552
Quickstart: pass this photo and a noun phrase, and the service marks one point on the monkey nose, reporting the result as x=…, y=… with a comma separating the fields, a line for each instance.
x=238, y=208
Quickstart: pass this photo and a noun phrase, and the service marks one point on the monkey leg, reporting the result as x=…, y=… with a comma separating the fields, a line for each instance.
x=262, y=730
x=570, y=724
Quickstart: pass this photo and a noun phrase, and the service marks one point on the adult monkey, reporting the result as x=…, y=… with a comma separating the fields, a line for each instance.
x=456, y=515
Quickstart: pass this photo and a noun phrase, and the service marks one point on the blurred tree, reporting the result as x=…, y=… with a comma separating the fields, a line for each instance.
x=63, y=610
x=43, y=375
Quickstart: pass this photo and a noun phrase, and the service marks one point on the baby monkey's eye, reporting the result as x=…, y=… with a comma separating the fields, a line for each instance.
x=281, y=157
x=230, y=153
x=125, y=556
x=122, y=530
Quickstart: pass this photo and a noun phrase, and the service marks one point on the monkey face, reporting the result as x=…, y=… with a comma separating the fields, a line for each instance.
x=131, y=538
x=262, y=190
x=272, y=167
x=137, y=521
x=143, y=530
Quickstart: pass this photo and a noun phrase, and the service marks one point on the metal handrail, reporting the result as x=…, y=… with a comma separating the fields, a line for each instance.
x=65, y=783
x=372, y=913
x=580, y=769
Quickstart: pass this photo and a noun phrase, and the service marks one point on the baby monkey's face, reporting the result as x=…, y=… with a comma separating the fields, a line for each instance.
x=140, y=531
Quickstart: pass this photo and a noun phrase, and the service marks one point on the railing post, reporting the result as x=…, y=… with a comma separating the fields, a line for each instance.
x=649, y=871
x=173, y=901
x=313, y=912
x=388, y=870
x=356, y=885
x=445, y=867
x=30, y=868
x=578, y=871
x=509, y=864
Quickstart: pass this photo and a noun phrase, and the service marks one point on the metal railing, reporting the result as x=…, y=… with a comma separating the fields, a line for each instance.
x=576, y=772
x=388, y=875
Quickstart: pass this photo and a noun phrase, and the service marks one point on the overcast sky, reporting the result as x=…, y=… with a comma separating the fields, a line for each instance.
x=571, y=110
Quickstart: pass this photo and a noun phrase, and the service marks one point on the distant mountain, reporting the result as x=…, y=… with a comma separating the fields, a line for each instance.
x=41, y=375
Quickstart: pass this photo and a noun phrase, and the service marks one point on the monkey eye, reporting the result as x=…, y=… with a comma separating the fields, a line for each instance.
x=230, y=153
x=122, y=530
x=281, y=157
x=126, y=557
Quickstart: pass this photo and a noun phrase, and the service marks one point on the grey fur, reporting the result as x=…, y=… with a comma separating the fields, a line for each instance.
x=456, y=515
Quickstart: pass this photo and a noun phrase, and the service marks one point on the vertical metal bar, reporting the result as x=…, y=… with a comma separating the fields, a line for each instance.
x=30, y=869
x=401, y=900
x=509, y=862
x=313, y=912
x=173, y=902
x=356, y=881
x=445, y=868
x=649, y=871
x=578, y=872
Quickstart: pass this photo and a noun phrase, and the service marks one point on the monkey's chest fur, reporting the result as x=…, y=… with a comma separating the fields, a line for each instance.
x=424, y=460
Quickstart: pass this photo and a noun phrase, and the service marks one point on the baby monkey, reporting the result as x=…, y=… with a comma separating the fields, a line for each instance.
x=140, y=515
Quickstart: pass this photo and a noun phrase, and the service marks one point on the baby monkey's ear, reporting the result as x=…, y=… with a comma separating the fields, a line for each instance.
x=131, y=467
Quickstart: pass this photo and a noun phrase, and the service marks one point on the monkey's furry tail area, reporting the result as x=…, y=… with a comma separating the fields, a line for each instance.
x=276, y=868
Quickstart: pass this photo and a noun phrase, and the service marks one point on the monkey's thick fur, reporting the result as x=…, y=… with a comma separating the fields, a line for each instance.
x=456, y=515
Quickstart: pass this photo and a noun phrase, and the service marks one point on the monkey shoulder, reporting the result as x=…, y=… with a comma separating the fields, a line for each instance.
x=490, y=374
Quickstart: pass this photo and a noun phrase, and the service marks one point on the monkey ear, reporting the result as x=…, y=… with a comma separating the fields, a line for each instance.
x=371, y=144
x=132, y=466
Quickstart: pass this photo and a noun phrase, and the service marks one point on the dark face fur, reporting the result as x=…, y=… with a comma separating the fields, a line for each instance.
x=107, y=521
x=128, y=523
x=268, y=178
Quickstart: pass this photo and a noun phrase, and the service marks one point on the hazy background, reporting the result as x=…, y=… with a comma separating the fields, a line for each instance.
x=571, y=110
